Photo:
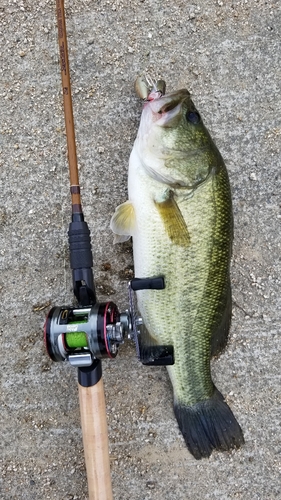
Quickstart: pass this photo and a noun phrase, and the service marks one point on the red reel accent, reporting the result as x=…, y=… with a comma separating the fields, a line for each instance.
x=110, y=314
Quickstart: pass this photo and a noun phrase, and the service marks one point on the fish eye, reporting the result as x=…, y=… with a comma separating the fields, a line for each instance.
x=193, y=117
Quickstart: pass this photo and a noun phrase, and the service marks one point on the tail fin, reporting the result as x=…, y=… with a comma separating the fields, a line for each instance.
x=208, y=425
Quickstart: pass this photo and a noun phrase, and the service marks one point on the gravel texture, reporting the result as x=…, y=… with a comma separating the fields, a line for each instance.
x=227, y=53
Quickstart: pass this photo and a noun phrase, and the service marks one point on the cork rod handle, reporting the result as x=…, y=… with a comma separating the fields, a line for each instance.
x=95, y=441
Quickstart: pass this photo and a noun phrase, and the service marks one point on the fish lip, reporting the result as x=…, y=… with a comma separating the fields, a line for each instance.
x=167, y=102
x=167, y=107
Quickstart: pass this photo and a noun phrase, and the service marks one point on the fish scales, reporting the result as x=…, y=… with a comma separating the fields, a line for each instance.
x=179, y=214
x=201, y=270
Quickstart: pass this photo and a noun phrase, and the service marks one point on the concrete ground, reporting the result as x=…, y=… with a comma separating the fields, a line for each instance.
x=228, y=55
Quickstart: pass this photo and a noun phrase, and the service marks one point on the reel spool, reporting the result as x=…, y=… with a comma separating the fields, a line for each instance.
x=81, y=335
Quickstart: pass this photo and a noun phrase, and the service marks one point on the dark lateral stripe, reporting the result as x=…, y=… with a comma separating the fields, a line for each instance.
x=75, y=189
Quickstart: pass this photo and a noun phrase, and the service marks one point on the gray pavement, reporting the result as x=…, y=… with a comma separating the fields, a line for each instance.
x=228, y=55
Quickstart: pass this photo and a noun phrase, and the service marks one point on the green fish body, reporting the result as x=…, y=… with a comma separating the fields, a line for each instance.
x=179, y=214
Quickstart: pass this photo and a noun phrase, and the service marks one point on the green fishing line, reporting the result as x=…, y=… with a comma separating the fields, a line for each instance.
x=76, y=339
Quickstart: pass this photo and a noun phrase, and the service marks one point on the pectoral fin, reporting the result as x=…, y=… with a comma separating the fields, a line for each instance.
x=173, y=221
x=123, y=222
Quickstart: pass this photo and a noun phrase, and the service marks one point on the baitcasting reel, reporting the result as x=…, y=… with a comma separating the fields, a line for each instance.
x=83, y=334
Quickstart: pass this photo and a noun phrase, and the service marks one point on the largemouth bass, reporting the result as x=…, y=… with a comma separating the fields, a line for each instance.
x=179, y=214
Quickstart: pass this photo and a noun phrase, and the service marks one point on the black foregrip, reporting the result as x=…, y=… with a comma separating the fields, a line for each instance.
x=80, y=245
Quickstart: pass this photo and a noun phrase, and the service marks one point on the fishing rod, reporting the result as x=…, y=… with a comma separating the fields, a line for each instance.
x=90, y=331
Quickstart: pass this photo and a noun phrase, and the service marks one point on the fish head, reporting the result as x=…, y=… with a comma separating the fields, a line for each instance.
x=172, y=142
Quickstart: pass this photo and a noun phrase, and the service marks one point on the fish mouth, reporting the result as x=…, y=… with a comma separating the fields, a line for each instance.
x=166, y=107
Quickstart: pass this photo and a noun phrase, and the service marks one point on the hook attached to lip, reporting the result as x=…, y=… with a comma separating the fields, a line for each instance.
x=146, y=86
